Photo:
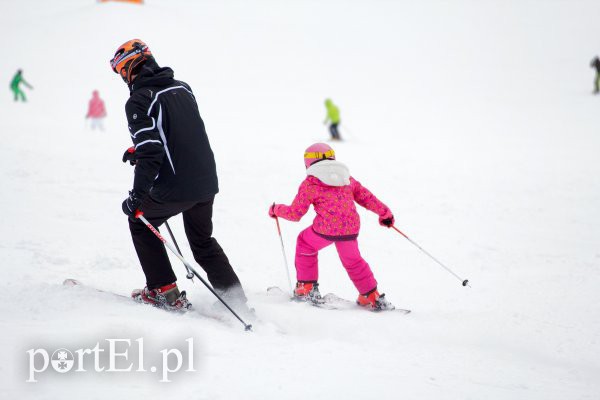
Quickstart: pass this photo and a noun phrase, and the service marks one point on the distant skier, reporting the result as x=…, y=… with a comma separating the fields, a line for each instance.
x=333, y=117
x=175, y=173
x=96, y=111
x=332, y=192
x=15, y=86
x=596, y=64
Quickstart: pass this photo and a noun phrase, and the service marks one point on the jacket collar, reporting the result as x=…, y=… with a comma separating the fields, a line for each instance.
x=330, y=172
x=152, y=75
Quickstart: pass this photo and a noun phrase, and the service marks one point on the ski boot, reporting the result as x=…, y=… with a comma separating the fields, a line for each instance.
x=374, y=301
x=166, y=297
x=308, y=291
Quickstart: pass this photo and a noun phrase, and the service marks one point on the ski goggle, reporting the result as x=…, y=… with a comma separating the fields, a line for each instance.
x=319, y=155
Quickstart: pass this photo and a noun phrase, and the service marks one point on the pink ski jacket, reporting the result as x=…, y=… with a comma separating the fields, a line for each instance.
x=332, y=192
x=96, y=107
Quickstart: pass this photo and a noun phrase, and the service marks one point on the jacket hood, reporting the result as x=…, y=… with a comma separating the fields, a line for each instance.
x=330, y=172
x=153, y=75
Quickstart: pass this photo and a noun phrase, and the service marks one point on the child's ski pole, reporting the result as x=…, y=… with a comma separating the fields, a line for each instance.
x=140, y=215
x=285, y=263
x=465, y=282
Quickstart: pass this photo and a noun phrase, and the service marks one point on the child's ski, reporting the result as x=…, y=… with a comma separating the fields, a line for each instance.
x=277, y=291
x=341, y=303
x=330, y=301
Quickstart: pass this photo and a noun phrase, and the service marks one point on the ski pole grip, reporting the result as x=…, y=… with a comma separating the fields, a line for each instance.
x=138, y=213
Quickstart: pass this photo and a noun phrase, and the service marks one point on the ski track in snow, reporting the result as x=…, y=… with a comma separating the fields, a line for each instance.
x=473, y=121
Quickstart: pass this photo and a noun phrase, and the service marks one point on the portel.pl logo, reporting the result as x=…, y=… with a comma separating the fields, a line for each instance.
x=114, y=355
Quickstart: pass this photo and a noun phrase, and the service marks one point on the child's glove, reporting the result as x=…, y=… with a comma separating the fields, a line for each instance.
x=387, y=219
x=272, y=211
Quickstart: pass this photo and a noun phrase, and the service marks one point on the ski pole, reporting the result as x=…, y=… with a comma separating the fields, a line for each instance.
x=140, y=215
x=464, y=282
x=285, y=263
x=345, y=127
x=190, y=274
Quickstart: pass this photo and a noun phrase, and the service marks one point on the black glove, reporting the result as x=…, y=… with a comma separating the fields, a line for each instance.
x=131, y=204
x=387, y=222
x=129, y=155
x=387, y=219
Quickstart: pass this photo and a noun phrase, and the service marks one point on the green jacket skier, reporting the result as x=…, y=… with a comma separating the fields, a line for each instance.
x=15, y=83
x=596, y=65
x=333, y=117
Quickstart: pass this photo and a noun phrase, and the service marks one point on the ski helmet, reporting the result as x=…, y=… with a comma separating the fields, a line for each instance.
x=129, y=57
x=317, y=152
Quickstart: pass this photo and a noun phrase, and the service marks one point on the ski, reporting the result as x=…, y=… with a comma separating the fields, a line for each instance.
x=330, y=301
x=277, y=291
x=342, y=303
x=75, y=283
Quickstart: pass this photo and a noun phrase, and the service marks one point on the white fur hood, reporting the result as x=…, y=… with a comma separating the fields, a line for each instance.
x=330, y=172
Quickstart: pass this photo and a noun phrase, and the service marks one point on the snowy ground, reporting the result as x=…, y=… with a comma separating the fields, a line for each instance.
x=473, y=121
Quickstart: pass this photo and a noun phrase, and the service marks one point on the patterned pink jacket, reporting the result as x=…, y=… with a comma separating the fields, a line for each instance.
x=332, y=192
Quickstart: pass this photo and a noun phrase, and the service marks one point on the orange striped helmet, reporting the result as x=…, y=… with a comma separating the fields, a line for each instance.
x=129, y=57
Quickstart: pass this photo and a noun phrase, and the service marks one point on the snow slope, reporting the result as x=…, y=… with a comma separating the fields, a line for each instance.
x=472, y=120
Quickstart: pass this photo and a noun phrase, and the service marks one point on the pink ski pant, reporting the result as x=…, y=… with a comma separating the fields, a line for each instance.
x=307, y=261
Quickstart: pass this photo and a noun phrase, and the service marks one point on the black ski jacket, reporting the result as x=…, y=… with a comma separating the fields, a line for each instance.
x=174, y=161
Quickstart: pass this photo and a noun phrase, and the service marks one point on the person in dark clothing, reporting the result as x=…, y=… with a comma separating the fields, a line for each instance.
x=596, y=64
x=175, y=173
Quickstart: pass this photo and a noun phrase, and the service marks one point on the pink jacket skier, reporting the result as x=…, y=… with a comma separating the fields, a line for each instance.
x=96, y=111
x=333, y=193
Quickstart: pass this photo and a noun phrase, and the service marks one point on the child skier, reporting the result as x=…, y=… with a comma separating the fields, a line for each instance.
x=332, y=192
x=15, y=86
x=96, y=111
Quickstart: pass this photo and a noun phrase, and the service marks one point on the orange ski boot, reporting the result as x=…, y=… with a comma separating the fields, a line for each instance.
x=308, y=291
x=374, y=301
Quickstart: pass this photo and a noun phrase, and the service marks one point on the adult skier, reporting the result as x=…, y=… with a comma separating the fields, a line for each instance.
x=175, y=173
x=96, y=111
x=333, y=117
x=596, y=64
x=15, y=86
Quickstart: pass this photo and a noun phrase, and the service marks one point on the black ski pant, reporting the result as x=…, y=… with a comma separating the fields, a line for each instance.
x=197, y=221
x=333, y=129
